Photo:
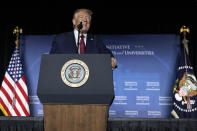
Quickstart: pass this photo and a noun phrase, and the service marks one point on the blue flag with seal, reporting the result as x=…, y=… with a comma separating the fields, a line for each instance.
x=185, y=88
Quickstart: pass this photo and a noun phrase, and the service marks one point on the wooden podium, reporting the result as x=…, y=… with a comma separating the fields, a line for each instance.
x=91, y=117
x=84, y=108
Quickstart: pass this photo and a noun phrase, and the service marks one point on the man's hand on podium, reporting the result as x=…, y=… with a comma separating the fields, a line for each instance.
x=113, y=63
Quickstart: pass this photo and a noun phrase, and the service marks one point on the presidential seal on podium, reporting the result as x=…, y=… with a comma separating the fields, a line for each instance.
x=75, y=73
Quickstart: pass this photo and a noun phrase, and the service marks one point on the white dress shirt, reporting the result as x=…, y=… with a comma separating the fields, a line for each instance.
x=76, y=37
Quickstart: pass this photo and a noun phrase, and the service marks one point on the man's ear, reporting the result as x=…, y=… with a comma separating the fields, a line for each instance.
x=74, y=22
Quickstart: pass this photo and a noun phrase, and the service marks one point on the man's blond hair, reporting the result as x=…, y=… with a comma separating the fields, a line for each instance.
x=83, y=9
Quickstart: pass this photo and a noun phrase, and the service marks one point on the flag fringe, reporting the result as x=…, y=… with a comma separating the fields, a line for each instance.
x=3, y=110
x=174, y=114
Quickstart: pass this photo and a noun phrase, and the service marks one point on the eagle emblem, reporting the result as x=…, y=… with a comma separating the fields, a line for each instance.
x=75, y=73
x=187, y=88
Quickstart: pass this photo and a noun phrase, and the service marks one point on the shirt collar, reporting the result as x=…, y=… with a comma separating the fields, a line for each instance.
x=76, y=35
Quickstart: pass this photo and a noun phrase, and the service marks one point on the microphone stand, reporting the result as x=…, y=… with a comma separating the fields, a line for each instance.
x=78, y=41
x=79, y=30
x=80, y=26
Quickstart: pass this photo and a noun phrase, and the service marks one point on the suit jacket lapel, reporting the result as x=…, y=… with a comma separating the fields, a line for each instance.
x=73, y=42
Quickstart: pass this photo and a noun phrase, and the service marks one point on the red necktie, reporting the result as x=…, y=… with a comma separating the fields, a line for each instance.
x=82, y=45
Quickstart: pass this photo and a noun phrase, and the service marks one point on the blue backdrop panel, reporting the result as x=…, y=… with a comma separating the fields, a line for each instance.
x=145, y=75
x=32, y=47
x=143, y=80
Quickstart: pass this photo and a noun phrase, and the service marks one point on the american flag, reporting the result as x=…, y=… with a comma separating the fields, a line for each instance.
x=13, y=92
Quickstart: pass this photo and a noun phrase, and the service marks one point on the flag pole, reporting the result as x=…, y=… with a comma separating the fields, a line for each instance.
x=17, y=31
x=185, y=30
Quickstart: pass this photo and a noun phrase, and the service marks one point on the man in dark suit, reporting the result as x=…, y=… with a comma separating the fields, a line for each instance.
x=72, y=42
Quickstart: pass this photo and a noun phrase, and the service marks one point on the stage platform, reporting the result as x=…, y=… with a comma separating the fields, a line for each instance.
x=114, y=124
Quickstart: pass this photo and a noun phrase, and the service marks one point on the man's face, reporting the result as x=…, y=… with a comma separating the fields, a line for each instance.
x=83, y=17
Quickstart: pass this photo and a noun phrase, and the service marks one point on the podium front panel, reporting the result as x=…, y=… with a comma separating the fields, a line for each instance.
x=98, y=89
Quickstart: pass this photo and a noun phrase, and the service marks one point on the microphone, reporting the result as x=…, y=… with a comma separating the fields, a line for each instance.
x=80, y=26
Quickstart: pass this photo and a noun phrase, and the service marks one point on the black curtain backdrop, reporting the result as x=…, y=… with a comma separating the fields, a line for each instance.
x=160, y=19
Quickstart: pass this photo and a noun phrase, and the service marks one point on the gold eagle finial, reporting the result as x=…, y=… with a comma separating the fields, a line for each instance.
x=184, y=30
x=17, y=31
